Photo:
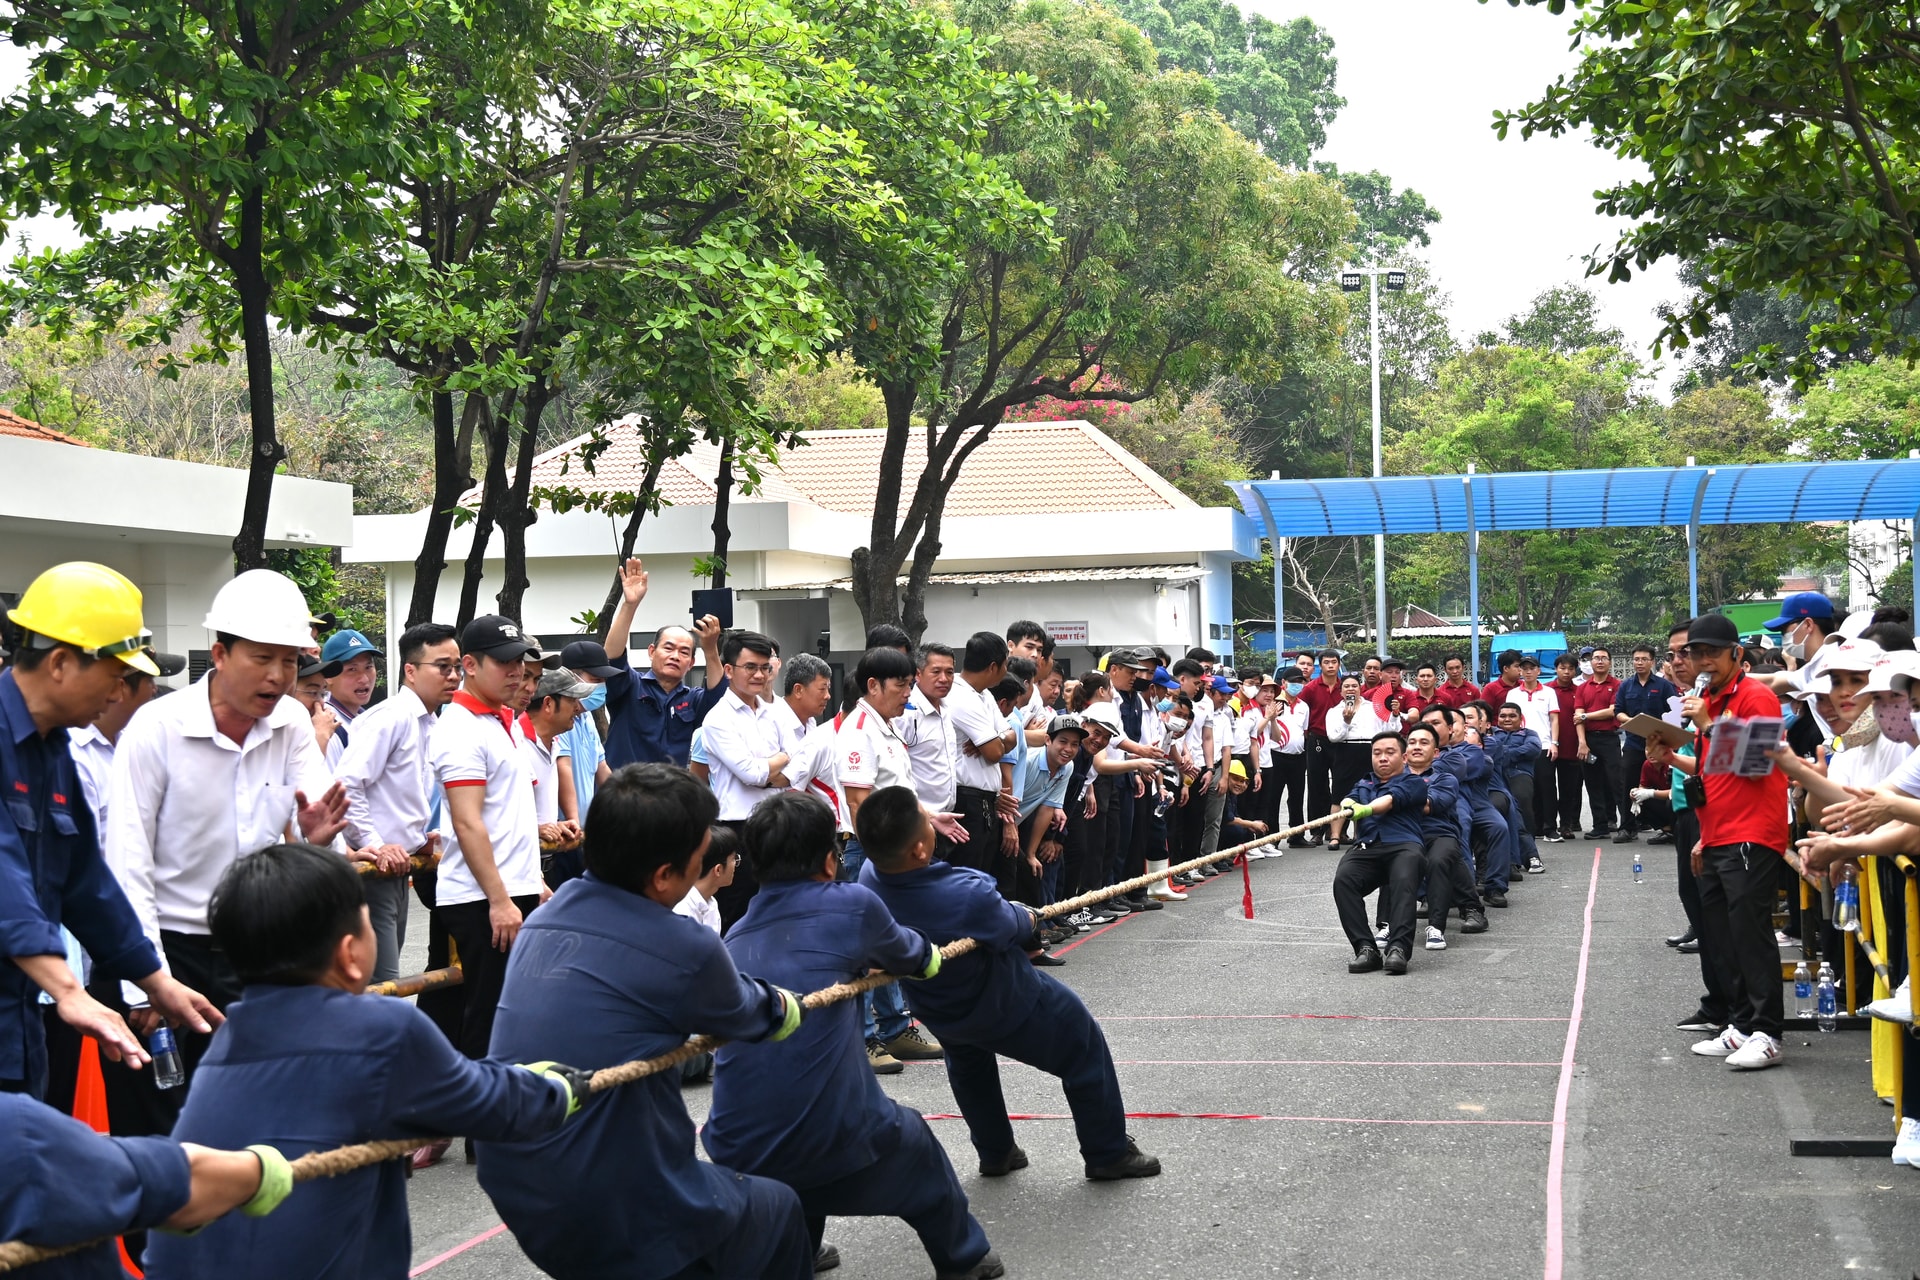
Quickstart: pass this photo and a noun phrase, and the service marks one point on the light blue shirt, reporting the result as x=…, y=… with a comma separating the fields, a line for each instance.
x=1036, y=787
x=581, y=744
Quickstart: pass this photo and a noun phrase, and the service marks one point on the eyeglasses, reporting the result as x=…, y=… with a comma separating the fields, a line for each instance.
x=1703, y=650
x=448, y=669
x=752, y=668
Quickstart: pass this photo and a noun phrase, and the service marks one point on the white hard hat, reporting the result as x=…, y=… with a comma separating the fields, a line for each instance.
x=264, y=607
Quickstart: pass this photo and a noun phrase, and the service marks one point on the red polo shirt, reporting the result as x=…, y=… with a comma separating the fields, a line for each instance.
x=1320, y=698
x=1739, y=810
x=1459, y=695
x=1496, y=691
x=1569, y=738
x=1597, y=695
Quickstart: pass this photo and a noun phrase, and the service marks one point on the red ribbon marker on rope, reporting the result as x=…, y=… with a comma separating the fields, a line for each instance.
x=1246, y=881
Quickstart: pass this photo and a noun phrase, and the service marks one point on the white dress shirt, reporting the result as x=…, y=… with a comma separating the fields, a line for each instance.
x=740, y=739
x=388, y=778
x=93, y=758
x=928, y=732
x=976, y=719
x=187, y=802
x=698, y=906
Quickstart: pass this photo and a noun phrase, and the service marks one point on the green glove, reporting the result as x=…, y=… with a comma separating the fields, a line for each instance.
x=1356, y=810
x=276, y=1182
x=790, y=1012
x=576, y=1082
x=933, y=965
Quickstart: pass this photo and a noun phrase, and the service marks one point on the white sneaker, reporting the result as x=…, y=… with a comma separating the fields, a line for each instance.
x=1760, y=1051
x=1897, y=1007
x=1082, y=920
x=1436, y=940
x=1724, y=1045
x=1380, y=933
x=1906, y=1147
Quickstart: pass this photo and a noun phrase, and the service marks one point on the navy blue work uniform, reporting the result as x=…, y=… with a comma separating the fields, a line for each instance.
x=993, y=1001
x=1390, y=857
x=62, y=1183
x=1510, y=787
x=809, y=1111
x=311, y=1068
x=1444, y=845
x=647, y=724
x=601, y=976
x=1630, y=699
x=1490, y=838
x=51, y=874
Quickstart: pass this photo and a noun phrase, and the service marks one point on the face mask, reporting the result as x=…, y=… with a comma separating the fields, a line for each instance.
x=1163, y=706
x=1795, y=649
x=1293, y=690
x=595, y=700
x=1176, y=724
x=1586, y=668
x=1895, y=717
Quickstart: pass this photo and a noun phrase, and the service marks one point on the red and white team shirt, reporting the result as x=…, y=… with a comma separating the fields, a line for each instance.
x=475, y=746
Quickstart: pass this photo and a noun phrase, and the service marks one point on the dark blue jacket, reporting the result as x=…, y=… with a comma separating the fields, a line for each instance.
x=648, y=725
x=62, y=1183
x=51, y=874
x=1632, y=698
x=809, y=1110
x=601, y=976
x=1402, y=824
x=1440, y=816
x=310, y=1068
x=991, y=988
x=1513, y=751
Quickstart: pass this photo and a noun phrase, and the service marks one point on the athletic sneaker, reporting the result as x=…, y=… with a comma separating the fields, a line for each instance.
x=1436, y=940
x=1906, y=1147
x=1724, y=1045
x=1081, y=920
x=1760, y=1051
x=1699, y=1021
x=1380, y=933
x=1897, y=1007
x=1535, y=867
x=1103, y=914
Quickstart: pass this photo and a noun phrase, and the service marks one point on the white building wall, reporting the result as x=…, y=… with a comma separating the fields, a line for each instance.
x=177, y=582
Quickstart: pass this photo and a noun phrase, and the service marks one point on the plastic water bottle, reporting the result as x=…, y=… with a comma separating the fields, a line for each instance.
x=168, y=1071
x=1846, y=898
x=1829, y=999
x=1636, y=867
x=1802, y=991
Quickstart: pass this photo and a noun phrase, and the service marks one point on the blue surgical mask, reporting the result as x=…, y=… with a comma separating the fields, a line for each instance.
x=595, y=700
x=1293, y=690
x=1163, y=706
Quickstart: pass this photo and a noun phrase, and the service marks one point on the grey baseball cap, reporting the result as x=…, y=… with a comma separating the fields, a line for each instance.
x=561, y=683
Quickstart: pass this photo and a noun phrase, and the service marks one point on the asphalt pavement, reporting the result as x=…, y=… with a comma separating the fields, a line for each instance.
x=1314, y=1123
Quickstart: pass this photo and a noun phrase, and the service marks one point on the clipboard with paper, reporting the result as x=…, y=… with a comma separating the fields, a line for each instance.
x=1649, y=727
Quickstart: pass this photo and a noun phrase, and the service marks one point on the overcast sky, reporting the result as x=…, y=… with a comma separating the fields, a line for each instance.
x=1422, y=79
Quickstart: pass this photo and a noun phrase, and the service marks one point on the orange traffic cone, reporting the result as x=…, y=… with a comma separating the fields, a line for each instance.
x=90, y=1109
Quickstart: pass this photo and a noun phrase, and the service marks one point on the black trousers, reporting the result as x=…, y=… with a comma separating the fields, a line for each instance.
x=1545, y=819
x=1352, y=761
x=1287, y=780
x=464, y=1013
x=135, y=1106
x=982, y=848
x=1087, y=843
x=1319, y=767
x=1737, y=886
x=734, y=899
x=1189, y=827
x=1394, y=869
x=1567, y=777
x=1520, y=782
x=1633, y=759
x=1602, y=768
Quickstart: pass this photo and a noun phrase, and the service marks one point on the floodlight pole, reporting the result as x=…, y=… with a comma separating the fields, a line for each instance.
x=1350, y=283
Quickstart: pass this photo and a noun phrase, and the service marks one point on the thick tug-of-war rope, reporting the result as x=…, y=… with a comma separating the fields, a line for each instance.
x=15, y=1254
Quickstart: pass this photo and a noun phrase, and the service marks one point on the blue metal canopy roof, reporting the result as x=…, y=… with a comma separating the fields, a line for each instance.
x=1756, y=493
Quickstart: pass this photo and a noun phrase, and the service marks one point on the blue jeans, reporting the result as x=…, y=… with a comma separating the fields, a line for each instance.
x=883, y=1012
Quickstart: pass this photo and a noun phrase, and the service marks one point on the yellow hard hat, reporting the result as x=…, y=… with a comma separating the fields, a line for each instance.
x=90, y=607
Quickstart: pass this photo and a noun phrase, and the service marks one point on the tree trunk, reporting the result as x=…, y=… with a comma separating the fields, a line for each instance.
x=518, y=512
x=449, y=482
x=627, y=540
x=876, y=566
x=722, y=500
x=492, y=495
x=250, y=281
x=913, y=607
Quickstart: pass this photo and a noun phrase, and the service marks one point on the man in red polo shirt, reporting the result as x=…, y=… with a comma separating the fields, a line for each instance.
x=1567, y=765
x=1508, y=680
x=1743, y=839
x=1599, y=731
x=1456, y=690
x=1426, y=691
x=1320, y=696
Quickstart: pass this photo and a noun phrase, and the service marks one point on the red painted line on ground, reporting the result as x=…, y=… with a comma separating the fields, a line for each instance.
x=1328, y=1017
x=1222, y=1115
x=1557, y=1154
x=1284, y=1062
x=456, y=1251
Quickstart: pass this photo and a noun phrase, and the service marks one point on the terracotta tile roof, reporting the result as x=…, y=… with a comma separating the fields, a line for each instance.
x=12, y=424
x=1024, y=468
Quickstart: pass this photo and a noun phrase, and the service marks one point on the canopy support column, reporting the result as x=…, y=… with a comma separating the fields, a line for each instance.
x=1693, y=543
x=1473, y=573
x=1279, y=545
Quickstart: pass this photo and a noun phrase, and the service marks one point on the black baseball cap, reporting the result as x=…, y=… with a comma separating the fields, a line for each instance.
x=170, y=664
x=310, y=665
x=498, y=638
x=588, y=658
x=1715, y=629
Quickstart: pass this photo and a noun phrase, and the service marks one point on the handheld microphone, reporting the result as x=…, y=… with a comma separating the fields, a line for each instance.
x=1700, y=684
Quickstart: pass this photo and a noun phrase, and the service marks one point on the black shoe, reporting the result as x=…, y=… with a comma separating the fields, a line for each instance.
x=988, y=1268
x=1135, y=1164
x=1699, y=1021
x=1333, y=846
x=1396, y=961
x=1365, y=960
x=1660, y=837
x=1679, y=939
x=466, y=1149
x=1689, y=948
x=1014, y=1159
x=1045, y=961
x=1299, y=842
x=1493, y=897
x=826, y=1259
x=1476, y=922
x=1598, y=833
x=1116, y=907
x=1515, y=874
x=1146, y=904
x=1625, y=836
